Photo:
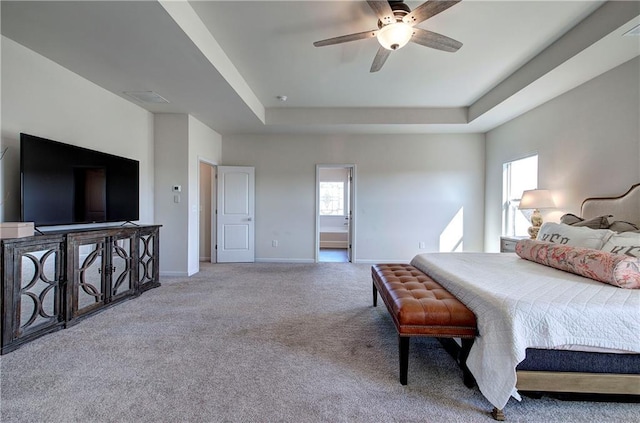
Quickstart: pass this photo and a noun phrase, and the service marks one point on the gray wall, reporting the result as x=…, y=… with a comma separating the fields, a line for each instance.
x=408, y=190
x=45, y=99
x=181, y=142
x=42, y=98
x=409, y=187
x=587, y=141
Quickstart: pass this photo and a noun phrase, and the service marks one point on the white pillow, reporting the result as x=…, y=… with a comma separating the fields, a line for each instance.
x=575, y=236
x=624, y=243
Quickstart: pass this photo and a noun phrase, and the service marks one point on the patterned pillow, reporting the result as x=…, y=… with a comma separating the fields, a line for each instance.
x=570, y=219
x=625, y=243
x=600, y=222
x=621, y=226
x=576, y=236
x=615, y=269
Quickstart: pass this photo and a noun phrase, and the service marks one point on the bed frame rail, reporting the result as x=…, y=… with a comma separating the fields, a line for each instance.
x=601, y=383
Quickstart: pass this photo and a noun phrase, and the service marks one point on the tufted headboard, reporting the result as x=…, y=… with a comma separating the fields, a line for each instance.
x=625, y=207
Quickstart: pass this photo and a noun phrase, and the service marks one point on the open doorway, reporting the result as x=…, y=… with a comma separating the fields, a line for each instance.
x=335, y=223
x=207, y=216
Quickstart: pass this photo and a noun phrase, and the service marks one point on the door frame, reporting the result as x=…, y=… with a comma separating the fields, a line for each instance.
x=351, y=248
x=214, y=214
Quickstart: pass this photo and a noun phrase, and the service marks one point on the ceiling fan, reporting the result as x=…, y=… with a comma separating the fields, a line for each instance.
x=396, y=27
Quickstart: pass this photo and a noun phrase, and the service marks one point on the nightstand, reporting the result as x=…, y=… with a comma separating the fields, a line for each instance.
x=508, y=243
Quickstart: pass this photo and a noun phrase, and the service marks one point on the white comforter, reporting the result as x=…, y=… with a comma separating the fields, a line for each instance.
x=520, y=304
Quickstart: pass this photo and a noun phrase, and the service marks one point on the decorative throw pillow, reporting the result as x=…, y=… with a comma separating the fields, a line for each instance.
x=600, y=222
x=570, y=219
x=576, y=236
x=622, y=226
x=624, y=243
x=615, y=269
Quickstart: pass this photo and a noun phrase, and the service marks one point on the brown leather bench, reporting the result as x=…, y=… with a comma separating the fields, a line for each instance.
x=419, y=306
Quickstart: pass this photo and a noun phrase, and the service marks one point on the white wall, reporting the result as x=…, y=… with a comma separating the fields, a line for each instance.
x=44, y=99
x=171, y=159
x=204, y=145
x=409, y=188
x=181, y=142
x=587, y=141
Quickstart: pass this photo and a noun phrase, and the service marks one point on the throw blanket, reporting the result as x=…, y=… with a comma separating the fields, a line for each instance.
x=520, y=304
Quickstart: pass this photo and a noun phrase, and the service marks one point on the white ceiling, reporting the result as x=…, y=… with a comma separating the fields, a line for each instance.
x=225, y=62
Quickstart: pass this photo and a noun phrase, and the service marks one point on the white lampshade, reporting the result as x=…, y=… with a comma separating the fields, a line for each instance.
x=537, y=199
x=395, y=36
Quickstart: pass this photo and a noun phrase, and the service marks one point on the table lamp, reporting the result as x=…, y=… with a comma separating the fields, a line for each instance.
x=536, y=199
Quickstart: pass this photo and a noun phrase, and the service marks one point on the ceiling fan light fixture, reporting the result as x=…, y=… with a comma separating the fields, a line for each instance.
x=395, y=36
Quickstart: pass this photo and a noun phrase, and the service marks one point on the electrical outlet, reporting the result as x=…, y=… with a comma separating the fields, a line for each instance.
x=422, y=245
x=274, y=243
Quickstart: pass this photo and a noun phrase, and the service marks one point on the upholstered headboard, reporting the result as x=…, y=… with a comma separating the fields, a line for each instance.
x=625, y=207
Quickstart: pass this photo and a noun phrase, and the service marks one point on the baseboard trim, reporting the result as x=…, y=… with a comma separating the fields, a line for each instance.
x=283, y=260
x=172, y=274
x=369, y=261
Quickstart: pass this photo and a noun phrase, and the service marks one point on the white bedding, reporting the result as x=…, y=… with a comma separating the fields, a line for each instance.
x=520, y=304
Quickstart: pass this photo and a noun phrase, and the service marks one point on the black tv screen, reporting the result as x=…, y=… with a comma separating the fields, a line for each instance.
x=65, y=184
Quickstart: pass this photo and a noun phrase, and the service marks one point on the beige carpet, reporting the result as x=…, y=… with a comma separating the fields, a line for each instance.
x=253, y=343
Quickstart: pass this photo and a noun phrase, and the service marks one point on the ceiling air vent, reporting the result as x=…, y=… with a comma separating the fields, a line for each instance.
x=146, y=96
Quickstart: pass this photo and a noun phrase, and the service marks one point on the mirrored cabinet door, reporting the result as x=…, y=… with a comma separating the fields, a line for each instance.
x=122, y=266
x=32, y=289
x=89, y=265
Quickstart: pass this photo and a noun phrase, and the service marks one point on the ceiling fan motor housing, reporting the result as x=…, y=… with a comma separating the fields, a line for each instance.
x=399, y=5
x=400, y=10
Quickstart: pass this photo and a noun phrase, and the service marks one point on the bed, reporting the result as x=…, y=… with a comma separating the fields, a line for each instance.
x=547, y=330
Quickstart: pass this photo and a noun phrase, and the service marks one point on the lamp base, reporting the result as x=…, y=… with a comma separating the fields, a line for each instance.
x=536, y=222
x=533, y=231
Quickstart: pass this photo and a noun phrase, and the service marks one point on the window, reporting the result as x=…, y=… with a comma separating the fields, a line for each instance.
x=517, y=176
x=332, y=199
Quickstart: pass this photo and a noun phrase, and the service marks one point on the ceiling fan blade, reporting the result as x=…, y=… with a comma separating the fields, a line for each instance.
x=435, y=40
x=426, y=10
x=346, y=38
x=383, y=11
x=381, y=57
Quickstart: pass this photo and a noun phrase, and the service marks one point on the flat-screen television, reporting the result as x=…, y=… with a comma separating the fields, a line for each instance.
x=64, y=184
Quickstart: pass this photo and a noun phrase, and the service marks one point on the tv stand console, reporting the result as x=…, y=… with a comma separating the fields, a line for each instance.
x=52, y=281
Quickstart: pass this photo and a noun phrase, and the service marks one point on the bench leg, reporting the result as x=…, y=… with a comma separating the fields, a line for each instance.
x=375, y=295
x=403, y=350
x=467, y=377
x=460, y=354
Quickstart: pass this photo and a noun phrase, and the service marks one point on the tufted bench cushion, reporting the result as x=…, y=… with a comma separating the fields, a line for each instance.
x=419, y=306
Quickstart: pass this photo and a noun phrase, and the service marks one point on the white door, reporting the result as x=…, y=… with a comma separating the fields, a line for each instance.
x=236, y=226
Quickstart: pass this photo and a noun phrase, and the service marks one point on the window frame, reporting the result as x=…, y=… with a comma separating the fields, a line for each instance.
x=514, y=221
x=342, y=201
